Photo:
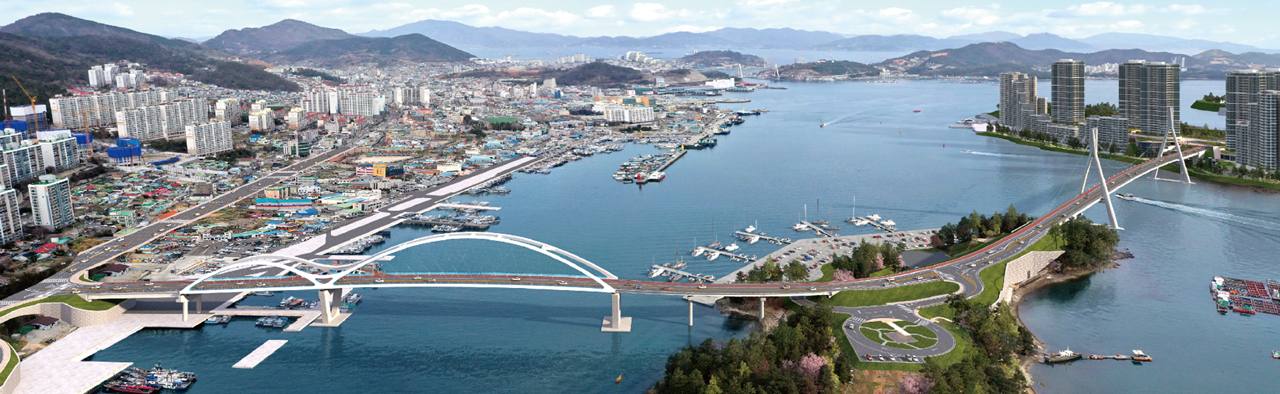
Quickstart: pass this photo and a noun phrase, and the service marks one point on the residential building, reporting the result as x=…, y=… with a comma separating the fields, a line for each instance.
x=97, y=78
x=10, y=218
x=36, y=119
x=1067, y=91
x=228, y=109
x=59, y=150
x=1259, y=144
x=1161, y=87
x=23, y=159
x=628, y=114
x=1130, y=99
x=279, y=192
x=263, y=120
x=1019, y=100
x=209, y=138
x=51, y=202
x=161, y=121
x=1112, y=132
x=98, y=110
x=1243, y=88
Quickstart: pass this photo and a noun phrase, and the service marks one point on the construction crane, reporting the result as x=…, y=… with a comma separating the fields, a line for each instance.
x=33, y=105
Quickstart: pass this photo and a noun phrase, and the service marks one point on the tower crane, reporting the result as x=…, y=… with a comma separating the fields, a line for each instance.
x=33, y=104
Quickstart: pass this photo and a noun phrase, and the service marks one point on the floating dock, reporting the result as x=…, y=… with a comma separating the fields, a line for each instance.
x=772, y=240
x=821, y=232
x=874, y=222
x=668, y=271
x=259, y=354
x=732, y=256
x=1247, y=296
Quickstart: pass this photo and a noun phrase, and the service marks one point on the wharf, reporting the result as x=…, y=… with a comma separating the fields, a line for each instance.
x=772, y=240
x=819, y=230
x=467, y=206
x=672, y=160
x=733, y=256
x=668, y=271
x=259, y=354
x=874, y=222
x=463, y=225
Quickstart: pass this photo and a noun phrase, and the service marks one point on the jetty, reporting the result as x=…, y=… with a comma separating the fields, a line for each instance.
x=672, y=160
x=819, y=230
x=772, y=240
x=468, y=206
x=259, y=354
x=463, y=225
x=668, y=271
x=874, y=221
x=703, y=250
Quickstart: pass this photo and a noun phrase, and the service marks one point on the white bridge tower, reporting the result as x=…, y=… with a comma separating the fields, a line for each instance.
x=1173, y=129
x=1106, y=191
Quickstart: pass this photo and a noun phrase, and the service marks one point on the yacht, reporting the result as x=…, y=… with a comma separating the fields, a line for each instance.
x=888, y=223
x=800, y=227
x=750, y=229
x=697, y=252
x=657, y=176
x=714, y=255
x=731, y=247
x=655, y=272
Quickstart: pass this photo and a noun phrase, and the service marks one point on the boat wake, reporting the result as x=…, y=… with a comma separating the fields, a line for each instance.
x=1223, y=216
x=987, y=153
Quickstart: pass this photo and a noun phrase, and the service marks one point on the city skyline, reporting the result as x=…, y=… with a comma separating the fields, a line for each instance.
x=649, y=18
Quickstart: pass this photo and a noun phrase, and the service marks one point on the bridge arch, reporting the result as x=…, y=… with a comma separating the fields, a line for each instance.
x=560, y=255
x=264, y=260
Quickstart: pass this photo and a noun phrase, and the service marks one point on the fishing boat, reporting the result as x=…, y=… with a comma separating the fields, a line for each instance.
x=1138, y=355
x=1062, y=357
x=1275, y=354
x=1245, y=309
x=130, y=388
x=1121, y=357
x=1096, y=357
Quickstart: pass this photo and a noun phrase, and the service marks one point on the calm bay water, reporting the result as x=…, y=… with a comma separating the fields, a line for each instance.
x=905, y=166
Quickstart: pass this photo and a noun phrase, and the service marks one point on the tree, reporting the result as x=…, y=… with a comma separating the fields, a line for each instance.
x=996, y=225
x=797, y=272
x=947, y=234
x=964, y=230
x=1086, y=244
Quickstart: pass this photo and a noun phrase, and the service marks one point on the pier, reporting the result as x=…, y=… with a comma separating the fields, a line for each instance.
x=874, y=221
x=819, y=230
x=668, y=271
x=672, y=160
x=467, y=206
x=772, y=240
x=463, y=225
x=259, y=354
x=703, y=250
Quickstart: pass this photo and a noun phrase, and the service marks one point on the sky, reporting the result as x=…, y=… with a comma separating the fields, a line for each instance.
x=1244, y=22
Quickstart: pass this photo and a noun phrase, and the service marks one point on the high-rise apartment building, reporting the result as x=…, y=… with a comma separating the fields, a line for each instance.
x=1161, y=88
x=10, y=218
x=1243, y=88
x=98, y=110
x=263, y=120
x=51, y=202
x=161, y=121
x=1067, y=91
x=1019, y=101
x=1113, y=132
x=228, y=109
x=209, y=138
x=1130, y=99
x=37, y=118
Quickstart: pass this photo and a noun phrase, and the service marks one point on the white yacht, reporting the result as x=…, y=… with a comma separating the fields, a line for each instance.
x=888, y=223
x=655, y=272
x=750, y=229
x=731, y=247
x=697, y=252
x=713, y=256
x=800, y=227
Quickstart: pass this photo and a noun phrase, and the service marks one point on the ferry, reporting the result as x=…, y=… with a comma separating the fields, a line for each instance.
x=1124, y=196
x=1061, y=357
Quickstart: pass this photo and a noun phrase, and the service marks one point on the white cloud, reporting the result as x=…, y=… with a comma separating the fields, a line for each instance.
x=691, y=28
x=122, y=9
x=1185, y=23
x=289, y=3
x=1184, y=9
x=649, y=11
x=896, y=13
x=1103, y=8
x=1126, y=25
x=762, y=3
x=600, y=11
x=969, y=15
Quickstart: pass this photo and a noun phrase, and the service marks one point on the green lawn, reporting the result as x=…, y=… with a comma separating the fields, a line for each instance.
x=954, y=356
x=828, y=273
x=856, y=298
x=9, y=366
x=1175, y=168
x=73, y=300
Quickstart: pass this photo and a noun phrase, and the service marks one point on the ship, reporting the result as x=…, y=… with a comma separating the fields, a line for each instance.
x=750, y=229
x=1062, y=357
x=731, y=247
x=1138, y=355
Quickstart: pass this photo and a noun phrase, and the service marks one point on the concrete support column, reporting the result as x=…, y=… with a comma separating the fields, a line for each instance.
x=690, y=313
x=615, y=322
x=326, y=306
x=183, y=300
x=199, y=304
x=761, y=308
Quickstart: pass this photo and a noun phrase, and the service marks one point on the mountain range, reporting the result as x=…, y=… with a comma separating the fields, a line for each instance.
x=465, y=36
x=992, y=58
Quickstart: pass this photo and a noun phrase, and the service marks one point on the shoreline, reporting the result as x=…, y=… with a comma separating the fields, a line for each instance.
x=1255, y=184
x=1041, y=282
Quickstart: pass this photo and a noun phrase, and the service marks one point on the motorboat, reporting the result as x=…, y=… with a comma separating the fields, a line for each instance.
x=1124, y=196
x=655, y=272
x=750, y=229
x=731, y=247
x=1062, y=357
x=657, y=176
x=714, y=255
x=822, y=125
x=800, y=227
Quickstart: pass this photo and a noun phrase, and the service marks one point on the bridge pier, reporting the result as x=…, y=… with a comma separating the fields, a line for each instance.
x=690, y=313
x=761, y=308
x=1182, y=161
x=186, y=303
x=328, y=311
x=615, y=322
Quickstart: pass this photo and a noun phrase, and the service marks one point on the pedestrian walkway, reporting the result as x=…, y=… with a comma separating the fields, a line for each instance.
x=59, y=369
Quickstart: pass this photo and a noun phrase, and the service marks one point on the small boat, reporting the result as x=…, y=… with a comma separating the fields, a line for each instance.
x=264, y=293
x=1097, y=357
x=1246, y=310
x=131, y=388
x=731, y=247
x=714, y=245
x=619, y=380
x=916, y=111
x=655, y=272
x=1121, y=357
x=1061, y=357
x=822, y=125
x=220, y=319
x=713, y=256
x=1124, y=196
x=966, y=151
x=750, y=229
x=800, y=227
x=1275, y=354
x=657, y=176
x=1138, y=355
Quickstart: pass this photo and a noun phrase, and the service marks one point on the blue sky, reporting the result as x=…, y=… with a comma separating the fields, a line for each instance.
x=1245, y=22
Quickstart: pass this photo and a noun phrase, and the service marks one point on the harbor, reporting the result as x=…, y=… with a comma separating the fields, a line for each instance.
x=714, y=253
x=750, y=237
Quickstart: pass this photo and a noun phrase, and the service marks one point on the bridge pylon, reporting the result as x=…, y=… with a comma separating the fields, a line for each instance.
x=1182, y=161
x=615, y=322
x=1106, y=191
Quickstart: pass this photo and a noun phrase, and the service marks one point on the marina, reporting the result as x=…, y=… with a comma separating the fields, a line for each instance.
x=750, y=237
x=674, y=274
x=713, y=254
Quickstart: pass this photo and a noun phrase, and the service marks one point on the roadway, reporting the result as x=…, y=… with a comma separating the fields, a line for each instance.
x=963, y=270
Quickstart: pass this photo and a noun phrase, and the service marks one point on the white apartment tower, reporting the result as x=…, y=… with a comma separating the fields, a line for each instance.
x=51, y=202
x=10, y=222
x=209, y=138
x=1067, y=91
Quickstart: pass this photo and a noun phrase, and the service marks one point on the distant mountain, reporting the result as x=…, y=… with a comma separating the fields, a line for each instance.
x=773, y=38
x=991, y=36
x=991, y=59
x=681, y=39
x=336, y=53
x=723, y=58
x=463, y=36
x=1168, y=44
x=826, y=69
x=283, y=35
x=53, y=24
x=599, y=74
x=1226, y=61
x=51, y=52
x=1050, y=41
x=894, y=43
